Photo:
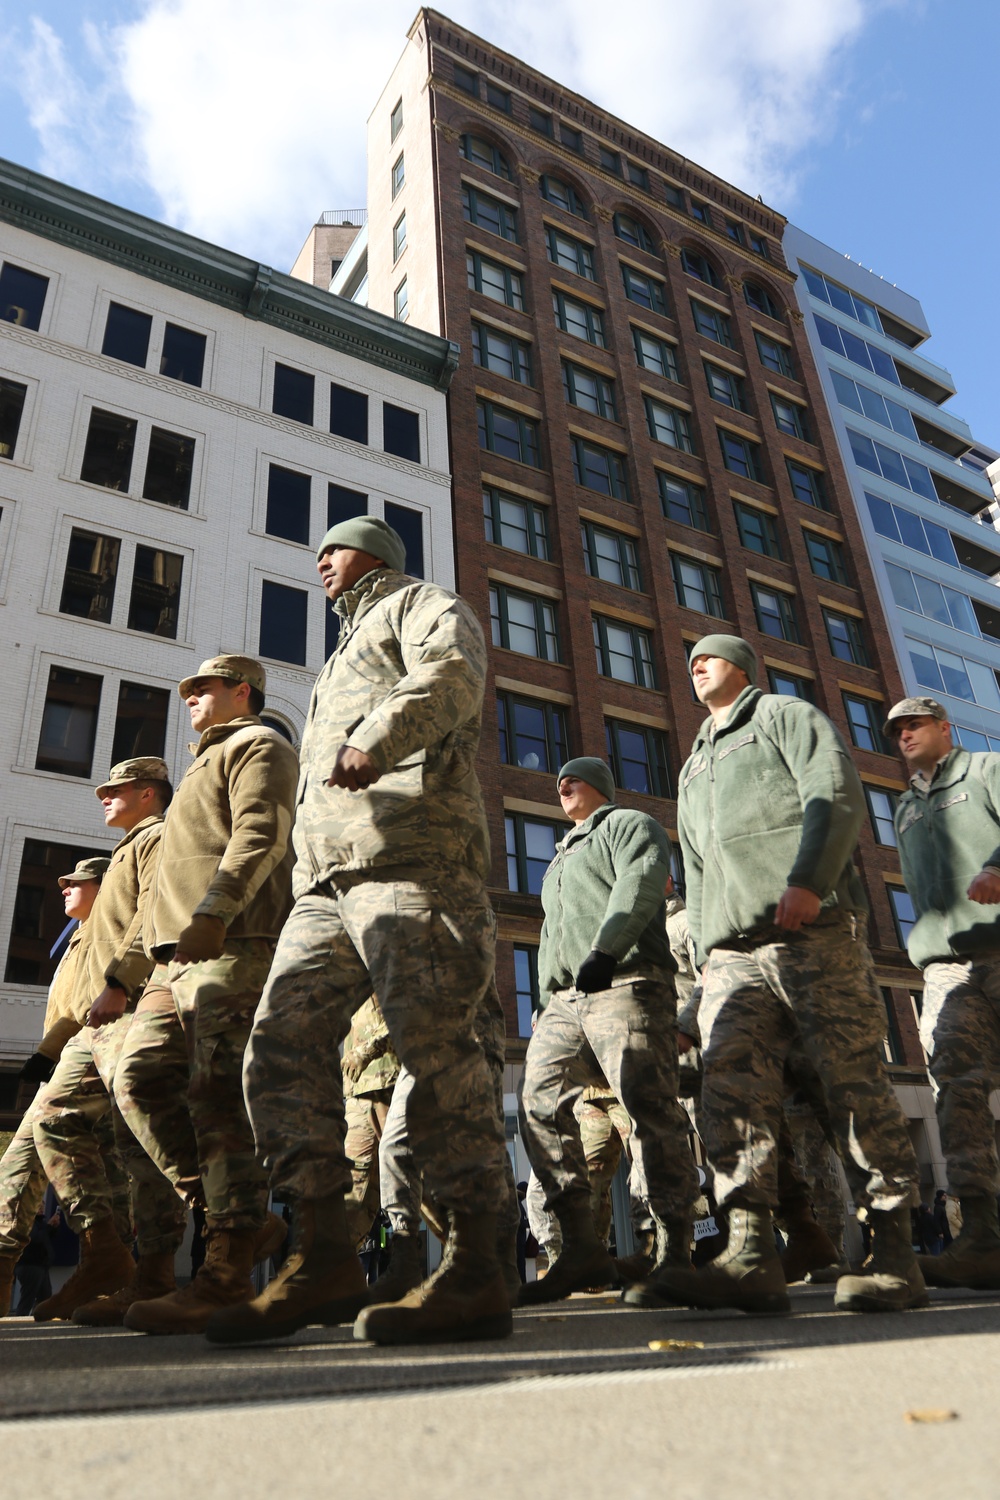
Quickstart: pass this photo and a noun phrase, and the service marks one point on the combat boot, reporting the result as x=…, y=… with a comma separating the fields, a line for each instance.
x=636, y=1267
x=105, y=1266
x=507, y=1256
x=154, y=1277
x=464, y=1299
x=582, y=1264
x=405, y=1269
x=222, y=1280
x=8, y=1264
x=894, y=1282
x=322, y=1281
x=973, y=1259
x=808, y=1247
x=269, y=1238
x=746, y=1275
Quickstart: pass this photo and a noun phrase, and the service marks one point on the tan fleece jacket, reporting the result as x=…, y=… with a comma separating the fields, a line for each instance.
x=115, y=950
x=225, y=849
x=62, y=1018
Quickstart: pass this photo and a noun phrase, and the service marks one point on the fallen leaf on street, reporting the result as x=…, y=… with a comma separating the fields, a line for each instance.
x=930, y=1414
x=675, y=1344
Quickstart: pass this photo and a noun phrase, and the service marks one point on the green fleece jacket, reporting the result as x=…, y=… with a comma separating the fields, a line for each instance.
x=605, y=889
x=771, y=799
x=947, y=834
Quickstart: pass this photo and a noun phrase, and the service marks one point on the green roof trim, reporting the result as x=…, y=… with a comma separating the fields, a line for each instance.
x=88, y=224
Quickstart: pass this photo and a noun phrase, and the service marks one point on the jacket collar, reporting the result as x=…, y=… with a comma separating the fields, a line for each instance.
x=740, y=710
x=376, y=585
x=954, y=767
x=216, y=732
x=581, y=830
x=134, y=833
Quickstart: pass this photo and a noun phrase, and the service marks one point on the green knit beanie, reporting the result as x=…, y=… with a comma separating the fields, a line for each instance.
x=591, y=770
x=731, y=648
x=368, y=534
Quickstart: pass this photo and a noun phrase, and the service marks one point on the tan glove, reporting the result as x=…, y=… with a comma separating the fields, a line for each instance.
x=202, y=939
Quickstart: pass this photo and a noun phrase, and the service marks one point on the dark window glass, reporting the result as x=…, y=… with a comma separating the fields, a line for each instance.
x=600, y=469
x=169, y=468
x=668, y=424
x=39, y=918
x=140, y=722
x=107, y=457
x=610, y=555
x=156, y=591
x=283, y=613
x=517, y=524
x=183, y=356
x=396, y=121
x=826, y=558
x=775, y=611
x=700, y=211
x=699, y=266
x=294, y=391
x=398, y=173
x=410, y=525
x=726, y=387
x=740, y=456
x=126, y=335
x=532, y=733
x=789, y=684
x=525, y=986
x=807, y=484
x=571, y=139
x=579, y=319
x=655, y=354
x=645, y=291
x=673, y=195
x=401, y=432
x=760, y=299
x=610, y=160
x=331, y=629
x=22, y=296
x=12, y=396
x=501, y=353
x=790, y=418
x=69, y=722
x=526, y=623
x=903, y=914
x=735, y=232
x=349, y=413
x=712, y=324
x=343, y=504
x=489, y=213
x=638, y=758
x=483, y=153
x=508, y=433
x=624, y=652
x=570, y=254
x=539, y=120
x=846, y=640
x=682, y=501
x=288, y=504
x=495, y=281
x=91, y=571
x=697, y=586
x=554, y=190
x=466, y=80
x=498, y=97
x=882, y=808
x=531, y=847
x=758, y=530
x=639, y=176
x=758, y=244
x=864, y=718
x=589, y=391
x=774, y=356
x=633, y=232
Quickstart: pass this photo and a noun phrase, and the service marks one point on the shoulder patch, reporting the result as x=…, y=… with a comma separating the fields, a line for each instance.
x=695, y=768
x=911, y=815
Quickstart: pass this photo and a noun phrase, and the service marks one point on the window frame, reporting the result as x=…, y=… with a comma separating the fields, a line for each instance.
x=751, y=450
x=617, y=468
x=569, y=200
x=536, y=524
x=856, y=643
x=513, y=294
x=528, y=430
x=878, y=819
x=593, y=319
x=605, y=400
x=694, y=263
x=711, y=585
x=520, y=353
x=783, y=365
x=554, y=730
x=815, y=484
x=643, y=665
x=467, y=139
x=872, y=723
x=679, y=423
x=715, y=324
x=563, y=248
x=798, y=426
x=502, y=593
x=506, y=216
x=517, y=822
x=657, y=757
x=734, y=386
x=696, y=501
x=785, y=616
x=769, y=534
x=397, y=177
x=667, y=367
x=835, y=557
x=627, y=550
x=641, y=240
x=656, y=290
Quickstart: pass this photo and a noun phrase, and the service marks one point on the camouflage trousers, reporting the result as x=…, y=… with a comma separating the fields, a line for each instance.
x=605, y=1131
x=808, y=1165
x=77, y=1097
x=960, y=1032
x=425, y=946
x=23, y=1181
x=402, y=1188
x=815, y=988
x=627, y=1036
x=365, y=1115
x=178, y=1082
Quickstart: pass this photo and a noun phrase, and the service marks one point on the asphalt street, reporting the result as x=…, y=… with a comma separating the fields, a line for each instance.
x=577, y=1403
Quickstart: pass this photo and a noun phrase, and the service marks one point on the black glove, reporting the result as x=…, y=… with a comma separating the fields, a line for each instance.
x=38, y=1068
x=595, y=971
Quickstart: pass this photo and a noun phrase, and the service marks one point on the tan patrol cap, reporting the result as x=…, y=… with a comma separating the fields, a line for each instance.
x=142, y=768
x=235, y=668
x=94, y=868
x=913, y=708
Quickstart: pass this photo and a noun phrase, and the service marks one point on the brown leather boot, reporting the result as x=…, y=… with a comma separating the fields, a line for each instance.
x=269, y=1238
x=507, y=1256
x=636, y=1267
x=154, y=1277
x=222, y=1280
x=808, y=1247
x=465, y=1298
x=746, y=1275
x=322, y=1281
x=405, y=1270
x=582, y=1264
x=7, y=1267
x=105, y=1266
x=894, y=1283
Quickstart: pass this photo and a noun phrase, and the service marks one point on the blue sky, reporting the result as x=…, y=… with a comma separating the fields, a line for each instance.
x=870, y=123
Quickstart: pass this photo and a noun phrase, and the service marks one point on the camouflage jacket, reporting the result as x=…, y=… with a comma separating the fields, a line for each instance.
x=405, y=685
x=368, y=1043
x=115, y=950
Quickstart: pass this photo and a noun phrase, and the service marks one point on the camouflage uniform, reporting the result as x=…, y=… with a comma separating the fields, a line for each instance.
x=605, y=1130
x=390, y=898
x=366, y=1106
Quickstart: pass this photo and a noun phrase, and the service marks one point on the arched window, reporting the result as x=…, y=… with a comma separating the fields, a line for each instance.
x=633, y=232
x=483, y=153
x=562, y=194
x=696, y=264
x=273, y=721
x=760, y=299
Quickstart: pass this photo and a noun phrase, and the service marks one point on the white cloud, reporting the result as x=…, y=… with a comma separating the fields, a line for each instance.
x=246, y=120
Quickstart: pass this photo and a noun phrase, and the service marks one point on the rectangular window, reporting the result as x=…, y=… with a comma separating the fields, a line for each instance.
x=789, y=684
x=682, y=501
x=892, y=1043
x=523, y=622
x=489, y=213
x=293, y=394
x=497, y=282
x=758, y=244
x=712, y=324
x=508, y=434
x=126, y=335
x=610, y=160
x=169, y=467
x=697, y=586
x=483, y=153
x=399, y=237
x=107, y=456
x=638, y=758
x=401, y=432
x=638, y=176
x=525, y=986
x=570, y=254
x=467, y=81
x=826, y=557
x=69, y=722
x=726, y=387
x=735, y=232
x=858, y=351
x=343, y=504
x=673, y=195
x=156, y=592
x=864, y=719
x=39, y=918
x=498, y=97
x=790, y=417
x=877, y=458
x=398, y=174
x=846, y=639
x=882, y=808
x=741, y=456
x=517, y=524
x=946, y=672
x=700, y=211
x=589, y=391
x=183, y=354
x=600, y=469
x=532, y=733
x=807, y=484
x=668, y=424
x=925, y=596
x=645, y=291
x=12, y=397
x=22, y=296
x=624, y=652
x=531, y=848
x=775, y=611
x=140, y=721
x=655, y=354
x=758, y=530
x=839, y=297
x=288, y=504
x=572, y=139
x=579, y=319
x=860, y=398
x=349, y=413
x=283, y=615
x=539, y=120
x=401, y=302
x=610, y=555
x=91, y=572
x=774, y=356
x=396, y=121
x=410, y=525
x=903, y=915
x=501, y=353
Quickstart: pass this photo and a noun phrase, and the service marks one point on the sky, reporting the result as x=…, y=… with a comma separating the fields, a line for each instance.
x=869, y=123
